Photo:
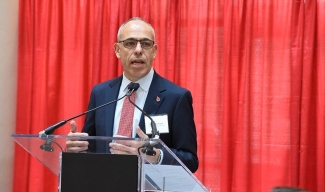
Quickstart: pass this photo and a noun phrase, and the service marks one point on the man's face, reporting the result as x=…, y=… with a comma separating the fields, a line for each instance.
x=136, y=61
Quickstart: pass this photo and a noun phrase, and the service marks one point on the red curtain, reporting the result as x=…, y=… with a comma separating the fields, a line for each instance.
x=256, y=70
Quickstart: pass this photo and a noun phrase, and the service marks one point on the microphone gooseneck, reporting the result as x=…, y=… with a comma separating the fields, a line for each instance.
x=49, y=130
x=132, y=88
x=147, y=148
x=47, y=146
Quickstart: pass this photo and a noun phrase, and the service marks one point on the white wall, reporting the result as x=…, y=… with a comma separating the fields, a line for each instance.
x=8, y=76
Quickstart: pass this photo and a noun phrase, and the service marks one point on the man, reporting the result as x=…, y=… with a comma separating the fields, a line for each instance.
x=156, y=96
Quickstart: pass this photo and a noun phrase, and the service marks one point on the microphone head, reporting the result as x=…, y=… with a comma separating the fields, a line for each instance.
x=133, y=86
x=136, y=86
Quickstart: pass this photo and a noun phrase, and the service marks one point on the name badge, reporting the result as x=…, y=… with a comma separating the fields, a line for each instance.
x=161, y=123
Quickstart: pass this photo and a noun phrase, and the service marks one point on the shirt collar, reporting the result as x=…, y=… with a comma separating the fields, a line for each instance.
x=144, y=81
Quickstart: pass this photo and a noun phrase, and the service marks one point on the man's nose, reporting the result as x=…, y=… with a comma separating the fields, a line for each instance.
x=138, y=47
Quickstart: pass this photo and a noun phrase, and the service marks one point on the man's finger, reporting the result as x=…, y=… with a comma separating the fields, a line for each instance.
x=73, y=126
x=76, y=146
x=71, y=143
x=73, y=130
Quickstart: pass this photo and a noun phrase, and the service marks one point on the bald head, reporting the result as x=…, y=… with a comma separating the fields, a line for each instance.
x=134, y=20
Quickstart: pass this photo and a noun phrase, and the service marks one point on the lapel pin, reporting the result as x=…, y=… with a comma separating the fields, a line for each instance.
x=157, y=99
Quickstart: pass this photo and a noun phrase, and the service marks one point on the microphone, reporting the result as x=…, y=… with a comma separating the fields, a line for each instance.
x=49, y=130
x=147, y=148
x=132, y=87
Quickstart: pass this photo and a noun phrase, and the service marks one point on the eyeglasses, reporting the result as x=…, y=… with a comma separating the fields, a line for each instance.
x=132, y=43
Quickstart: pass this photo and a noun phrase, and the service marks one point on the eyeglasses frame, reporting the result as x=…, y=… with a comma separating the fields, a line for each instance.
x=138, y=41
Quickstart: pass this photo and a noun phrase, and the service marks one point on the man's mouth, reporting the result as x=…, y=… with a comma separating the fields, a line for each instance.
x=137, y=61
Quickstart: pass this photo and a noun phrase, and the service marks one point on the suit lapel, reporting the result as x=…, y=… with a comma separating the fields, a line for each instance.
x=111, y=94
x=154, y=99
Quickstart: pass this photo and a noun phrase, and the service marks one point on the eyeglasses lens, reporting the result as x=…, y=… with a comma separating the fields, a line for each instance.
x=145, y=44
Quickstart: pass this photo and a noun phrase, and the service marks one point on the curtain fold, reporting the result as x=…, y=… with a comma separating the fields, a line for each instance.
x=312, y=128
x=256, y=70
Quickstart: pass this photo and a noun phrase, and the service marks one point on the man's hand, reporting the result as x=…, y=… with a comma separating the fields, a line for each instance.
x=73, y=145
x=131, y=147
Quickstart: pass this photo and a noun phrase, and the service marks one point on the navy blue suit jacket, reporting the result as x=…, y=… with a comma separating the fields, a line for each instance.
x=174, y=101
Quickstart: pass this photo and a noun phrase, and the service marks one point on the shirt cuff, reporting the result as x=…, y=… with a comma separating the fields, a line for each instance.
x=160, y=158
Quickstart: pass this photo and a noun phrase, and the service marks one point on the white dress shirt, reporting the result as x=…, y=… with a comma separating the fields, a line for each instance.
x=140, y=99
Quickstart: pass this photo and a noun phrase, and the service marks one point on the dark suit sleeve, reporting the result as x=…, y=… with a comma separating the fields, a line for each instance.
x=184, y=143
x=89, y=125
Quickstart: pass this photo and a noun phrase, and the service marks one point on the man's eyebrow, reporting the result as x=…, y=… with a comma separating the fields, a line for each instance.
x=132, y=38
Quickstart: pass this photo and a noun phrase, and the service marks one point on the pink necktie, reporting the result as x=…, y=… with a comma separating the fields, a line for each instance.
x=126, y=120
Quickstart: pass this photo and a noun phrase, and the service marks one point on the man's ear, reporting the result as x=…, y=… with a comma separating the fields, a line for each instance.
x=155, y=48
x=117, y=50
